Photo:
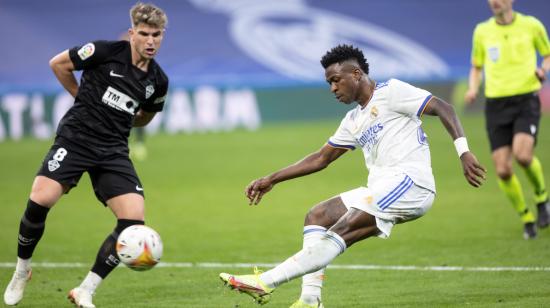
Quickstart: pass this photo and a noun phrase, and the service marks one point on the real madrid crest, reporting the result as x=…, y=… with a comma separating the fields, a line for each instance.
x=149, y=90
x=373, y=112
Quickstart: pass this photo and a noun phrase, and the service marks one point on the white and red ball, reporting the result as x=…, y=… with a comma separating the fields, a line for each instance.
x=139, y=247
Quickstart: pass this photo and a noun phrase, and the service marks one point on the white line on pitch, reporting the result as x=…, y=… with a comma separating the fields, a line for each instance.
x=336, y=266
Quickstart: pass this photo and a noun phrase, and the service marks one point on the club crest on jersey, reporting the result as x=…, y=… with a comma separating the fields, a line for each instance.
x=149, y=90
x=493, y=53
x=86, y=51
x=373, y=112
x=53, y=165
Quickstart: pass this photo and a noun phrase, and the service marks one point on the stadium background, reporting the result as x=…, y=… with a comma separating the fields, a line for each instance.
x=247, y=96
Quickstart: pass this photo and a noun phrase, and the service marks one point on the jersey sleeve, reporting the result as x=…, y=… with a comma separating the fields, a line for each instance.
x=89, y=55
x=342, y=138
x=478, y=53
x=407, y=99
x=541, y=38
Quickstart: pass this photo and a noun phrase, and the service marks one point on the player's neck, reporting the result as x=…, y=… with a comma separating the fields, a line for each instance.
x=505, y=18
x=139, y=61
x=365, y=98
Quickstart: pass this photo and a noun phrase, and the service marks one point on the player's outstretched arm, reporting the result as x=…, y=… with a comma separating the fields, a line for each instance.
x=63, y=68
x=473, y=171
x=310, y=164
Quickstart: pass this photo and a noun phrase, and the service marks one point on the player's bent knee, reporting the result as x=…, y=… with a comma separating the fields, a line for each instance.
x=504, y=174
x=326, y=213
x=128, y=206
x=315, y=216
x=524, y=159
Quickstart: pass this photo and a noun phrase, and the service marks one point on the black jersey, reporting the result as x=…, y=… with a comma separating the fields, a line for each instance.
x=111, y=91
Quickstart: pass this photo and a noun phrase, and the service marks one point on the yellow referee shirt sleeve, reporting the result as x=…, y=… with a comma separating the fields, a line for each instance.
x=541, y=39
x=478, y=52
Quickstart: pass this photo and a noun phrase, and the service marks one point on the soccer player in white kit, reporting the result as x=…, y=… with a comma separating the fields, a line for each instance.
x=386, y=125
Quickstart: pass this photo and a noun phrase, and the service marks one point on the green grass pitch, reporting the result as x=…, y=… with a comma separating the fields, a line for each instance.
x=194, y=187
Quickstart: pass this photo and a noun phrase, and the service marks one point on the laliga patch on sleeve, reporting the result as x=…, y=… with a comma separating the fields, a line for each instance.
x=86, y=51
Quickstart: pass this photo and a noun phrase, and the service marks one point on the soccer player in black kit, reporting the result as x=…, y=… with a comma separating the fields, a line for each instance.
x=121, y=86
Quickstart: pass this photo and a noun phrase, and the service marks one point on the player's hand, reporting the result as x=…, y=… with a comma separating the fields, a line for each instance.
x=257, y=189
x=473, y=171
x=470, y=96
x=541, y=74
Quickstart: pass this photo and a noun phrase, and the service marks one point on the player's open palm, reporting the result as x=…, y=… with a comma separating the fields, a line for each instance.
x=473, y=171
x=257, y=189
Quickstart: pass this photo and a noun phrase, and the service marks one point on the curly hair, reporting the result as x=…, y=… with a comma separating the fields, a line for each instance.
x=343, y=53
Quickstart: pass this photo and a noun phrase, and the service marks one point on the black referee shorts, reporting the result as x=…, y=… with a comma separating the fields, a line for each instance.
x=507, y=116
x=112, y=174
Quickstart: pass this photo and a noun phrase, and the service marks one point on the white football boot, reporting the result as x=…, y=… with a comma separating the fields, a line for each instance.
x=81, y=297
x=16, y=287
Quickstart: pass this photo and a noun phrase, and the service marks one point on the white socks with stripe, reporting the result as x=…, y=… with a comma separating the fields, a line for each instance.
x=312, y=283
x=307, y=260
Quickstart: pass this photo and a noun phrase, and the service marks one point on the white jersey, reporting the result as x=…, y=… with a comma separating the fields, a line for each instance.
x=389, y=131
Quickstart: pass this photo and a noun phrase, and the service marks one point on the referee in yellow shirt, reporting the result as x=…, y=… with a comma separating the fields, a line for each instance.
x=506, y=46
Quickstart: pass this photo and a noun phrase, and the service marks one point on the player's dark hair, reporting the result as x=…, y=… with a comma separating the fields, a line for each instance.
x=342, y=53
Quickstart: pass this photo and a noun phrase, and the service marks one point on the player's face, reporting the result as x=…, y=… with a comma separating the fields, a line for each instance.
x=343, y=81
x=500, y=7
x=146, y=40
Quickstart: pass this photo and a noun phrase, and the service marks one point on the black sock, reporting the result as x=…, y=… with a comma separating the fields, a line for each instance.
x=107, y=258
x=31, y=229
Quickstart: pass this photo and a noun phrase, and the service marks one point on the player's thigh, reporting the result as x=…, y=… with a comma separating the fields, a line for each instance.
x=61, y=170
x=326, y=213
x=526, y=128
x=128, y=206
x=115, y=177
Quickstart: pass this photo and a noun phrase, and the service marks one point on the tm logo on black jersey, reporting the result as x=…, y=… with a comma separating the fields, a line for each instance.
x=119, y=100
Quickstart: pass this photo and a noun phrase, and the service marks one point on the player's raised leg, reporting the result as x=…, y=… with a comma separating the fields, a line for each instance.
x=354, y=226
x=129, y=210
x=45, y=193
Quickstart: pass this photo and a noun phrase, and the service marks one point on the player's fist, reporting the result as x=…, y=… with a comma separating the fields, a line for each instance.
x=541, y=74
x=470, y=96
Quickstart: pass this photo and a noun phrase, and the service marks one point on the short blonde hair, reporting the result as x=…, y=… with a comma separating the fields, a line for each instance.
x=149, y=14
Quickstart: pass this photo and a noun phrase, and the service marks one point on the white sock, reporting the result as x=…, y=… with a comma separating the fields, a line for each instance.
x=307, y=260
x=23, y=265
x=91, y=282
x=313, y=282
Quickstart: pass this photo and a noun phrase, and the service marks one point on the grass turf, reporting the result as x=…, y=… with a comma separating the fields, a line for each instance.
x=194, y=187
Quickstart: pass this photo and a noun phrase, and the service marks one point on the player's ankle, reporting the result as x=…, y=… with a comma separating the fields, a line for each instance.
x=310, y=299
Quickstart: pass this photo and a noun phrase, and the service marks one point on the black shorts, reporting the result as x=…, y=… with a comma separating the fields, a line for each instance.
x=507, y=116
x=112, y=174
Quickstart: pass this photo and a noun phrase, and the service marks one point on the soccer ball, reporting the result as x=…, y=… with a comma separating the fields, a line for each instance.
x=139, y=247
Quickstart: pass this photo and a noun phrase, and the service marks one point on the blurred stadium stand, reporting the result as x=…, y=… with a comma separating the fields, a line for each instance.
x=265, y=53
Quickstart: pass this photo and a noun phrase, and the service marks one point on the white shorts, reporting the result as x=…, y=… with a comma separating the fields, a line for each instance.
x=392, y=200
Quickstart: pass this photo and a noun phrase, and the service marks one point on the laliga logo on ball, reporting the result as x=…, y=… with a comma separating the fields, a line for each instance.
x=139, y=247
